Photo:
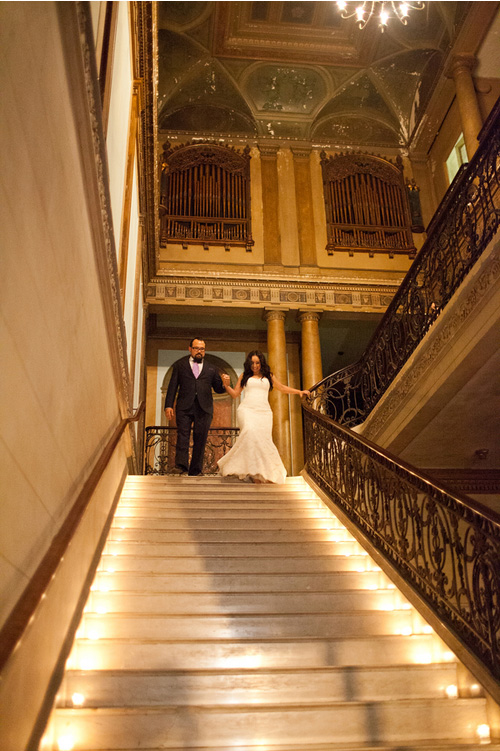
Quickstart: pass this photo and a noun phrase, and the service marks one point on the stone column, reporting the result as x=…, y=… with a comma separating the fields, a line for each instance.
x=312, y=370
x=470, y=117
x=276, y=350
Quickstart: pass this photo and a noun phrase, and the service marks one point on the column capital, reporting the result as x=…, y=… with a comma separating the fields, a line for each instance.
x=268, y=150
x=274, y=314
x=460, y=64
x=308, y=315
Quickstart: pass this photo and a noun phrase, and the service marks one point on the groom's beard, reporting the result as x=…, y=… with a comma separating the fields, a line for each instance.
x=198, y=358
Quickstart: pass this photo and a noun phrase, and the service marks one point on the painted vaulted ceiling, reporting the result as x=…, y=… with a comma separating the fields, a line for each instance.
x=297, y=70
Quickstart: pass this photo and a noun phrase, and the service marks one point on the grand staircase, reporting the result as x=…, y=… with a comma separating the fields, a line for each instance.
x=226, y=615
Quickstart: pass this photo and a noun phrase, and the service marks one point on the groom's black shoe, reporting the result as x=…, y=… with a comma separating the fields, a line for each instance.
x=179, y=471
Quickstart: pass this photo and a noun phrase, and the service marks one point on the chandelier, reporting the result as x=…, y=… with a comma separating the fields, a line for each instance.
x=384, y=11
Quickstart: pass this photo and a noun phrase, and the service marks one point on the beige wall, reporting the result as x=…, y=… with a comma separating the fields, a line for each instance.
x=59, y=400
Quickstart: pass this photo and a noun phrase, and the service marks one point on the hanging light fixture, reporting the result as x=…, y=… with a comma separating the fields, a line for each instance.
x=384, y=11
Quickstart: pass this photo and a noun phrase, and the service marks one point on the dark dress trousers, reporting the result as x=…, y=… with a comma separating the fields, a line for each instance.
x=194, y=409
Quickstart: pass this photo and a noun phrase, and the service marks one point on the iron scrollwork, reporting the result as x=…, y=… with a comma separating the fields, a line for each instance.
x=444, y=547
x=461, y=230
x=161, y=442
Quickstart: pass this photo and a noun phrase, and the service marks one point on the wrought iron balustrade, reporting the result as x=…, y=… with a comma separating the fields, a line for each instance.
x=446, y=548
x=160, y=449
x=466, y=221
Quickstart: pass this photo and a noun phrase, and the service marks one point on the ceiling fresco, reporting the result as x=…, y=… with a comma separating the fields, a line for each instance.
x=296, y=70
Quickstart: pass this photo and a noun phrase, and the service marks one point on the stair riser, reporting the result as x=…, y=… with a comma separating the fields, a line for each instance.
x=129, y=654
x=194, y=524
x=244, y=626
x=227, y=536
x=201, y=512
x=198, y=727
x=219, y=602
x=348, y=684
x=334, y=582
x=208, y=549
x=275, y=565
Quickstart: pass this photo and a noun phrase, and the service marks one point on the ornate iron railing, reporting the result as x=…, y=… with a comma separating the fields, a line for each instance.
x=463, y=226
x=446, y=548
x=160, y=449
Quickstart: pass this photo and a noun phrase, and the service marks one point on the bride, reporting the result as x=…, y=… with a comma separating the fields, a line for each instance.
x=254, y=455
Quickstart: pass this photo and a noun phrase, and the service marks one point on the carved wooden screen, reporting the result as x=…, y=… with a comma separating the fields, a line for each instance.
x=205, y=196
x=366, y=205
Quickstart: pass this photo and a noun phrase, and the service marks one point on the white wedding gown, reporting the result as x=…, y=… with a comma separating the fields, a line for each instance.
x=254, y=453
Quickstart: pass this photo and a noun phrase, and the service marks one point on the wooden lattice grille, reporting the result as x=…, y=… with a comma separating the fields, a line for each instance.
x=366, y=205
x=205, y=197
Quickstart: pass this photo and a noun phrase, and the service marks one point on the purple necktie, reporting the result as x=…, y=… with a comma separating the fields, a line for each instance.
x=196, y=369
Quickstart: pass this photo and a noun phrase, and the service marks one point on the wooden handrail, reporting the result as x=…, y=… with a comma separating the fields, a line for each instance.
x=19, y=618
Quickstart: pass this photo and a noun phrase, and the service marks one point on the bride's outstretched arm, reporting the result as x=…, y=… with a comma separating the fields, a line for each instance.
x=289, y=389
x=226, y=380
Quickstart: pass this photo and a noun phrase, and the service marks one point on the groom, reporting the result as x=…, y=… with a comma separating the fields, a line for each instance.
x=194, y=379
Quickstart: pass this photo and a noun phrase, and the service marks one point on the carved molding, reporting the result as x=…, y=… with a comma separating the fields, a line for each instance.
x=261, y=293
x=439, y=341
x=109, y=279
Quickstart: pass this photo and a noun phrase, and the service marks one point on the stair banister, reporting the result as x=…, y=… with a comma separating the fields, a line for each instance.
x=440, y=548
x=25, y=608
x=464, y=224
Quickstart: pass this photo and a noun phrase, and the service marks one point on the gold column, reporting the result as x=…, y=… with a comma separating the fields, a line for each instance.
x=312, y=369
x=276, y=350
x=470, y=117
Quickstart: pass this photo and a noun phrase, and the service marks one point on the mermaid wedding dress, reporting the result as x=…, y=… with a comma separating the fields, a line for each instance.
x=254, y=453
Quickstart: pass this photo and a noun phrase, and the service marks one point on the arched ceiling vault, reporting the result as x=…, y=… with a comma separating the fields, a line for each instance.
x=297, y=71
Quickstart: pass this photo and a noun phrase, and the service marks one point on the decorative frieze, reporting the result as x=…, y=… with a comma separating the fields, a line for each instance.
x=249, y=293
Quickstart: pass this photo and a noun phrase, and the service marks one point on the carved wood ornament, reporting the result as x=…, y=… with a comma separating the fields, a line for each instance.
x=366, y=205
x=205, y=196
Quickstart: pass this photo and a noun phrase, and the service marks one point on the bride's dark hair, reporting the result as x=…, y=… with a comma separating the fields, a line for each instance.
x=264, y=368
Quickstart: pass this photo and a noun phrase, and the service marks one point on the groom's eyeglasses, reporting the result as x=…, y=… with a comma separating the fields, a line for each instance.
x=198, y=349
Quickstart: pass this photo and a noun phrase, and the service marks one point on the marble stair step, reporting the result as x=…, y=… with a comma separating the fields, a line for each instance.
x=199, y=727
x=181, y=522
x=209, y=582
x=231, y=626
x=249, y=654
x=224, y=512
x=457, y=744
x=253, y=494
x=192, y=506
x=228, y=603
x=236, y=564
x=145, y=482
x=244, y=550
x=137, y=688
x=228, y=535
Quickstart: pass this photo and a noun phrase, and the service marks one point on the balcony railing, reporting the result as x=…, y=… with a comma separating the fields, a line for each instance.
x=445, y=548
x=160, y=449
x=464, y=224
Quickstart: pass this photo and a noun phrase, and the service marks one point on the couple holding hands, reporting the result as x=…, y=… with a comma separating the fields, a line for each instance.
x=254, y=455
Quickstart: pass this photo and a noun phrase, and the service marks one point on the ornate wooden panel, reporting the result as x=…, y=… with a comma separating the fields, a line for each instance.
x=366, y=205
x=205, y=196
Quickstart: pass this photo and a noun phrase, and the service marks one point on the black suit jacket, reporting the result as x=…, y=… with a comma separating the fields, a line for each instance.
x=189, y=387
